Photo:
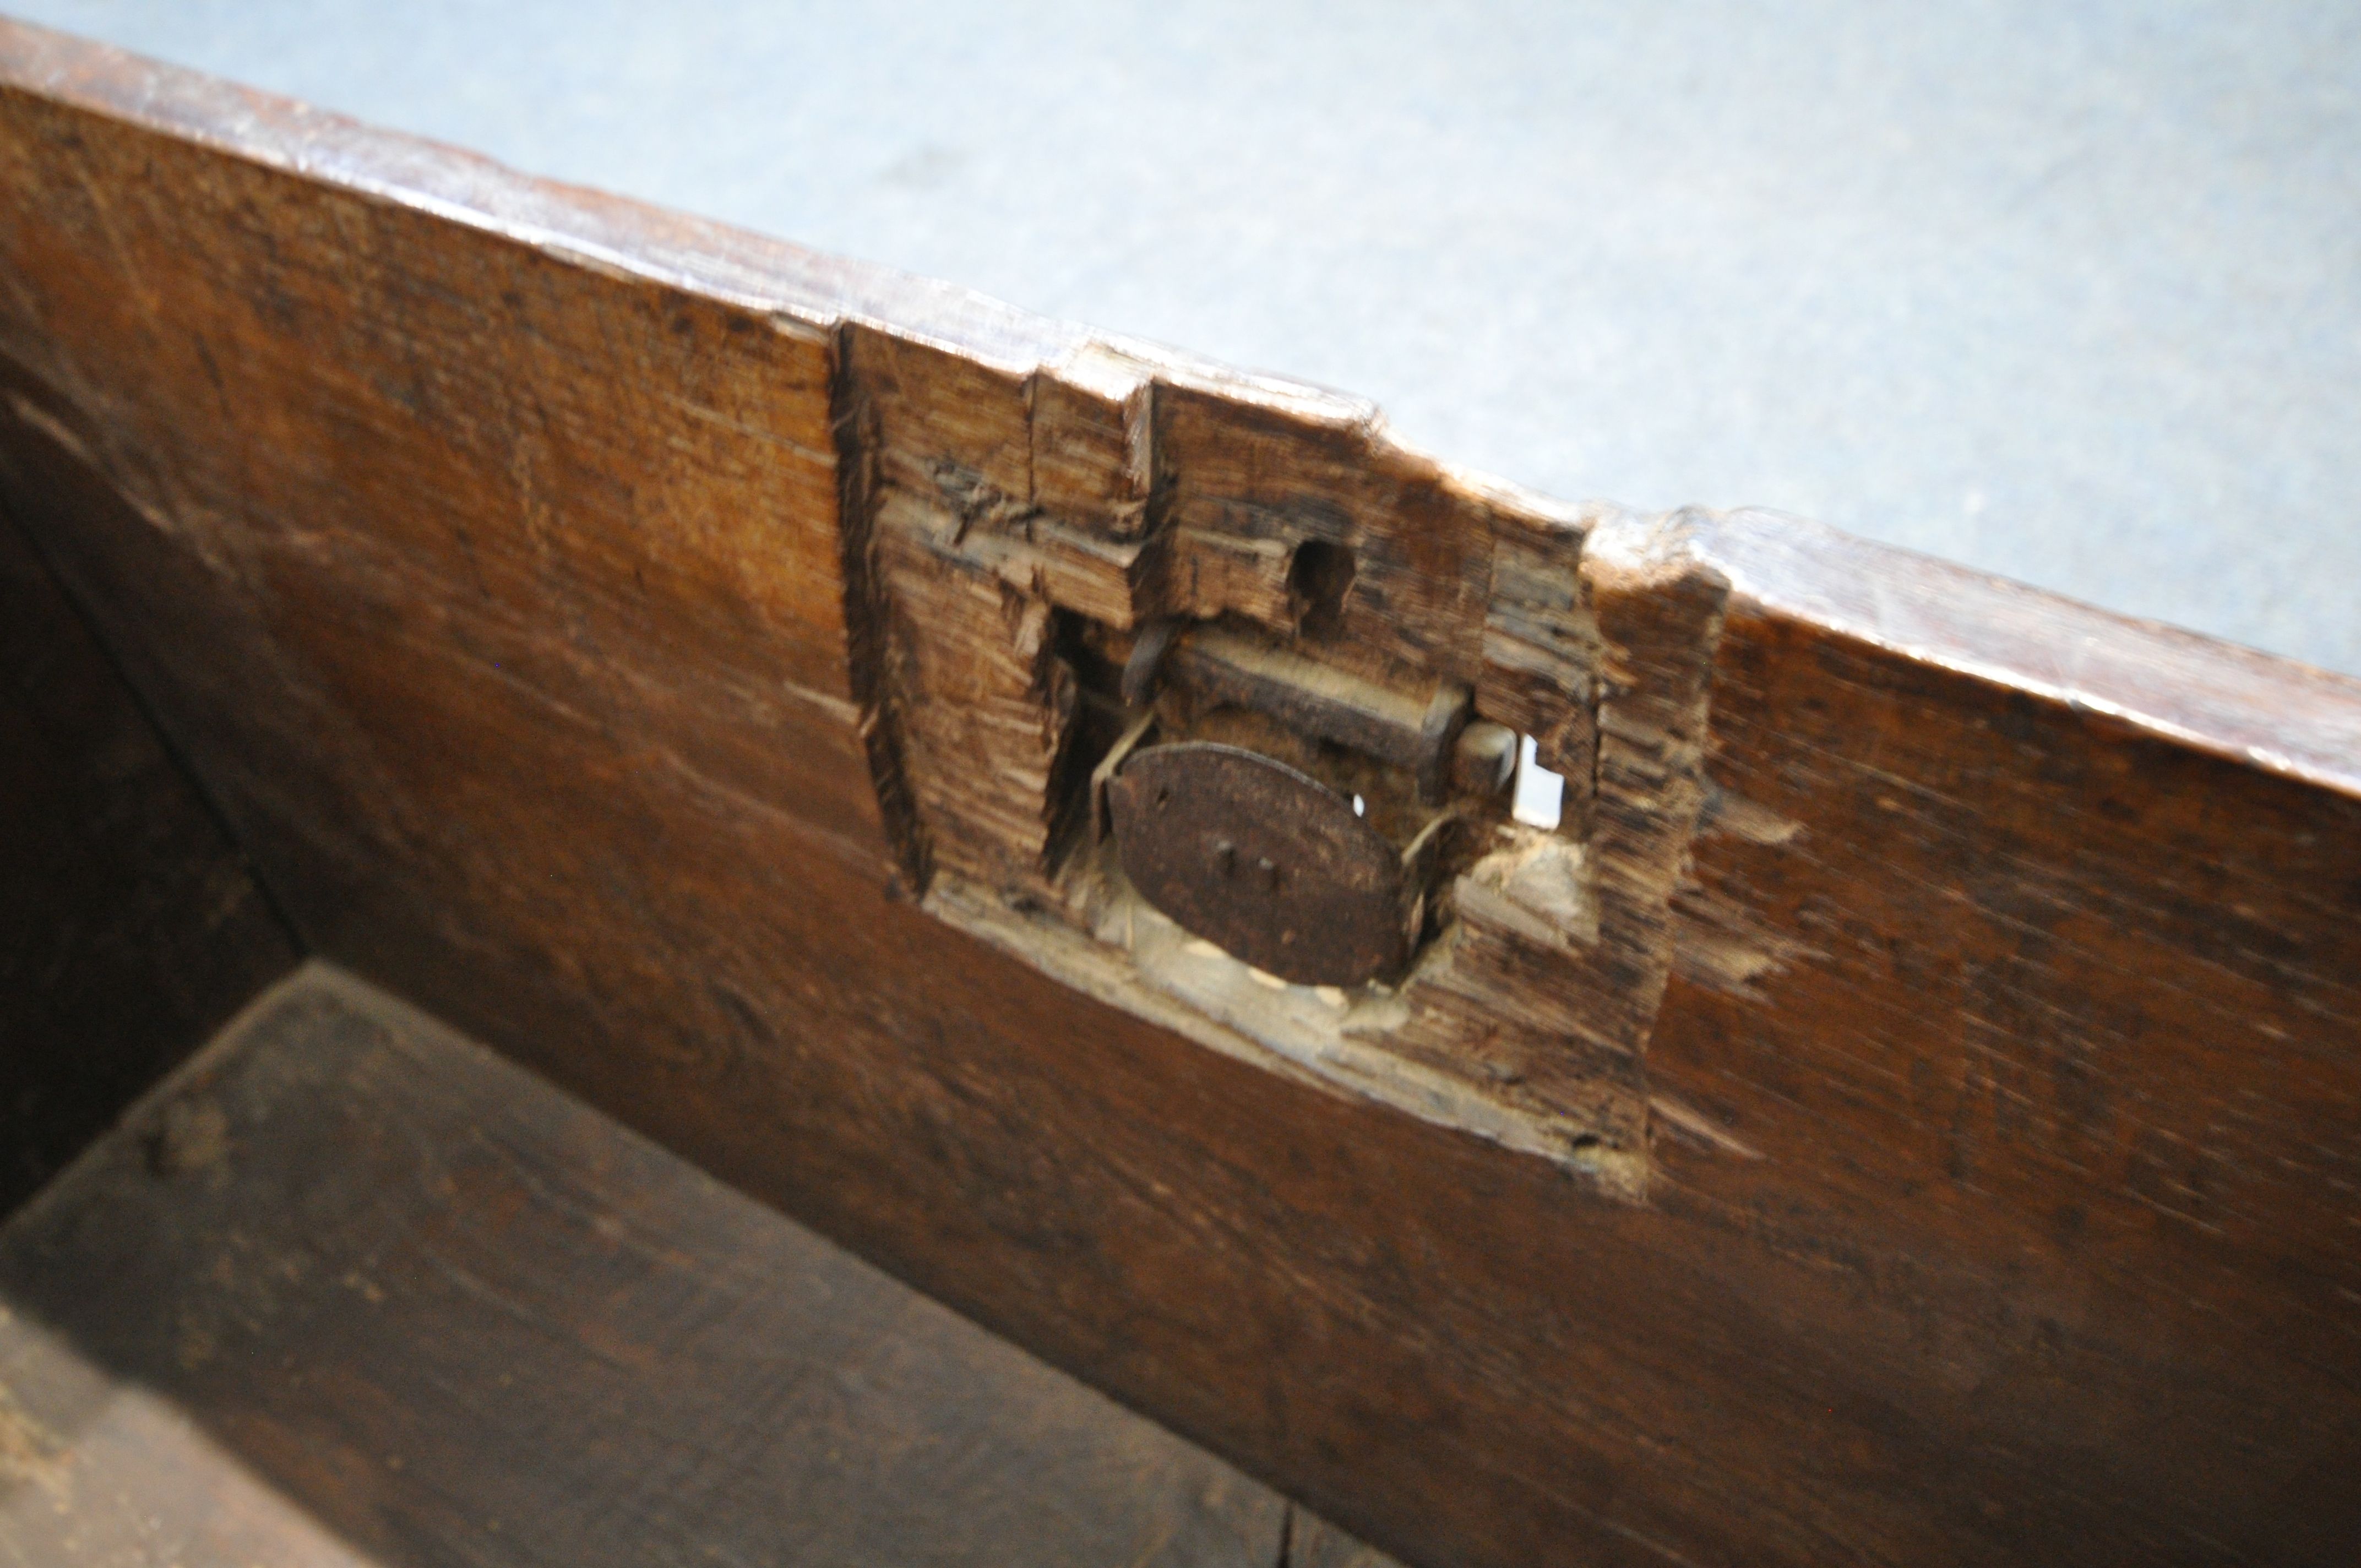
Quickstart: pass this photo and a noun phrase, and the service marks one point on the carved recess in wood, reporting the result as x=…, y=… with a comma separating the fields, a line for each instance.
x=1010, y=532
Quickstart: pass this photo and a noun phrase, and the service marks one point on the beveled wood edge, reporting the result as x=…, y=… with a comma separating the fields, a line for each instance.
x=2276, y=715
x=2273, y=714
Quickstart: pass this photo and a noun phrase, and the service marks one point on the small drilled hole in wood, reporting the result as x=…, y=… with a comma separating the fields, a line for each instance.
x=1317, y=580
x=1541, y=794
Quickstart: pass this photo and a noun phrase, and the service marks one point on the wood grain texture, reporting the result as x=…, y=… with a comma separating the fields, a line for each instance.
x=2003, y=1134
x=354, y=1289
x=2047, y=1035
x=130, y=926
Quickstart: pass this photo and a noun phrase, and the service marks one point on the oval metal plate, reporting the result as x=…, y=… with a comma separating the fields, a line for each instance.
x=1267, y=863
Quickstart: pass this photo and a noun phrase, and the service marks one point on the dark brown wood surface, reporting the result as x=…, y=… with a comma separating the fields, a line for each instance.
x=479, y=540
x=2052, y=1061
x=130, y=926
x=354, y=1289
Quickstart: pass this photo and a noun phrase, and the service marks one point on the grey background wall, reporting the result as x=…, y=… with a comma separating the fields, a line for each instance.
x=2067, y=291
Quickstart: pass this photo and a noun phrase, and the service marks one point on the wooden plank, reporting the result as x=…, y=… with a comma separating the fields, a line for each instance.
x=2036, y=1002
x=355, y=1289
x=130, y=926
x=1963, y=1206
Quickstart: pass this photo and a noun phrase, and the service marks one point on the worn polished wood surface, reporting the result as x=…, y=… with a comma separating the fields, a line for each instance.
x=479, y=541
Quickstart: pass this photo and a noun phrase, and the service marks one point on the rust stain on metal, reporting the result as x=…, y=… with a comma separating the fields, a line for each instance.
x=1266, y=862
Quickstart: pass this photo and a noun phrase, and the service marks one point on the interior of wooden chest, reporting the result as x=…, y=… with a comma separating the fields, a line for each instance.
x=340, y=1286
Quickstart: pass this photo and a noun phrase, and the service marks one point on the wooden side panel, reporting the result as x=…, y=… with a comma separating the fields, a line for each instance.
x=129, y=925
x=2046, y=1033
x=418, y=469
x=389, y=576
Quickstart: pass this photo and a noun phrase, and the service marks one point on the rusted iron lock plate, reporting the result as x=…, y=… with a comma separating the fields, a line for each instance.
x=1265, y=863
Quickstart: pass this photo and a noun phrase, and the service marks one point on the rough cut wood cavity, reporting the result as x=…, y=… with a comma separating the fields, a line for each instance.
x=1960, y=986
x=1168, y=494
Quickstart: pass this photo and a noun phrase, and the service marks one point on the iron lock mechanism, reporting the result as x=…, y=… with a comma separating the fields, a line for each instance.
x=1297, y=816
